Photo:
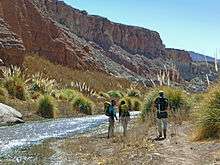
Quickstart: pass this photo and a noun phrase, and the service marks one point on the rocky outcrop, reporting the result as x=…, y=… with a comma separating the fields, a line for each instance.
x=9, y=115
x=70, y=37
x=179, y=55
x=105, y=33
x=44, y=36
x=11, y=46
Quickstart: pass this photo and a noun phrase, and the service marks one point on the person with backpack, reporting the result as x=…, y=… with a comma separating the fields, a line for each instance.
x=124, y=116
x=110, y=111
x=161, y=104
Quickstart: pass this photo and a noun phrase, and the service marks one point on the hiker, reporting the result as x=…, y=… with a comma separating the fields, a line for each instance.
x=161, y=104
x=111, y=113
x=124, y=116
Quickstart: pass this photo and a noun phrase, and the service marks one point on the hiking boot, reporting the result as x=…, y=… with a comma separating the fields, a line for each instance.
x=164, y=133
x=159, y=136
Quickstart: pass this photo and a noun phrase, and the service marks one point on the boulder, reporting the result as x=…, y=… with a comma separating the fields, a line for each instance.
x=9, y=115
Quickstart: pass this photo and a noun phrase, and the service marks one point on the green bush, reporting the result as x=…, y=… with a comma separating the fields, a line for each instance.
x=136, y=104
x=105, y=95
x=115, y=94
x=128, y=101
x=177, y=98
x=134, y=93
x=83, y=104
x=68, y=94
x=149, y=103
x=15, y=83
x=179, y=104
x=208, y=116
x=47, y=107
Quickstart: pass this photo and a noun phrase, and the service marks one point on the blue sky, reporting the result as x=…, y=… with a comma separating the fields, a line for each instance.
x=184, y=24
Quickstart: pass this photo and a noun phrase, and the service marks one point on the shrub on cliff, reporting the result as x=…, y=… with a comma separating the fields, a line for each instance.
x=15, y=83
x=47, y=107
x=208, y=115
x=83, y=104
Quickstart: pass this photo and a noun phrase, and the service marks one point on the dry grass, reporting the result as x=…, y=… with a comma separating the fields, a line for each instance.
x=118, y=150
x=96, y=80
x=179, y=104
x=207, y=115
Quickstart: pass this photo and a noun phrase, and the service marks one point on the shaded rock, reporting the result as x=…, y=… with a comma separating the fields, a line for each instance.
x=9, y=115
x=11, y=46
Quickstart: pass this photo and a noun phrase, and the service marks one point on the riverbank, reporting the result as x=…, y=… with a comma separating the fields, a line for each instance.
x=139, y=147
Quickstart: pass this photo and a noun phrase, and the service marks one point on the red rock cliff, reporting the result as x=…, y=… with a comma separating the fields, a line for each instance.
x=179, y=55
x=71, y=37
x=11, y=46
x=43, y=36
x=133, y=39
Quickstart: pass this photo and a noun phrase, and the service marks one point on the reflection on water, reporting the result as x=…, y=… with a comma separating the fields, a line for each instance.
x=32, y=142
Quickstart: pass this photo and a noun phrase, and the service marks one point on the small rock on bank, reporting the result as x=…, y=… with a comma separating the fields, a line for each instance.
x=9, y=115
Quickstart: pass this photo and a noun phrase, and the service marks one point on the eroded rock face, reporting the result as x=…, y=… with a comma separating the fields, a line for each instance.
x=43, y=36
x=100, y=30
x=9, y=115
x=179, y=55
x=11, y=46
x=71, y=37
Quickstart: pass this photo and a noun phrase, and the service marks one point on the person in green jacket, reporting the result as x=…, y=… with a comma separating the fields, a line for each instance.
x=124, y=116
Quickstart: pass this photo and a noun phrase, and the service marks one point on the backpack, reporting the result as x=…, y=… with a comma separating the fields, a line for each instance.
x=106, y=108
x=162, y=105
x=124, y=111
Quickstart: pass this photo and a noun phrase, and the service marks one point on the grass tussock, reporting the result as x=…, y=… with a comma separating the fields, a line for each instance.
x=15, y=82
x=179, y=103
x=207, y=115
x=42, y=85
x=134, y=93
x=115, y=94
x=134, y=104
x=68, y=94
x=47, y=107
x=83, y=105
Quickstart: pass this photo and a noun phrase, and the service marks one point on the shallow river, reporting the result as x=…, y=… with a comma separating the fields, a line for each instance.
x=24, y=136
